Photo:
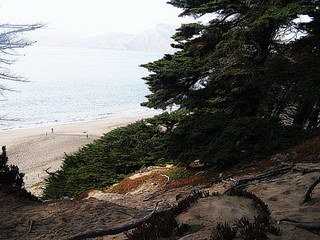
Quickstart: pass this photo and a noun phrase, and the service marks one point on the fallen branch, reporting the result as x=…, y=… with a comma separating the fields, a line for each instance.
x=118, y=229
x=30, y=226
x=179, y=208
x=306, y=170
x=307, y=196
x=219, y=179
x=245, y=181
x=154, y=195
x=311, y=226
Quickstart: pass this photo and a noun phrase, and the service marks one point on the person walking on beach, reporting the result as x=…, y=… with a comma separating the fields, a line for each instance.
x=52, y=130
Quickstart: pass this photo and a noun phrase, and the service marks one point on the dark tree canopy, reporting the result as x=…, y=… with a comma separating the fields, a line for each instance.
x=253, y=58
x=9, y=175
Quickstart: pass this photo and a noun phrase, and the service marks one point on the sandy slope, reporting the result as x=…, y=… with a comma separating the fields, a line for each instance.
x=63, y=218
x=94, y=209
x=22, y=220
x=39, y=149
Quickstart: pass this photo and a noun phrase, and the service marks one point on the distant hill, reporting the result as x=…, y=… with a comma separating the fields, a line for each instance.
x=157, y=39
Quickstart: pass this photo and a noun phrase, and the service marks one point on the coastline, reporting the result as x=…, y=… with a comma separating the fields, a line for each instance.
x=35, y=150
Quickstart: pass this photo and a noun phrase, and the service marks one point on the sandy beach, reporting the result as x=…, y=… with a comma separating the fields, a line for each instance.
x=38, y=149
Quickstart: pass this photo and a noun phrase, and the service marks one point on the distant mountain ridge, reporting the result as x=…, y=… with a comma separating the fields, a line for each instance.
x=157, y=39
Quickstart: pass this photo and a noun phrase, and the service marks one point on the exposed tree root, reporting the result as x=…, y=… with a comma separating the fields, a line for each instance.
x=179, y=208
x=245, y=181
x=306, y=170
x=119, y=229
x=307, y=196
x=311, y=226
x=182, y=205
x=30, y=226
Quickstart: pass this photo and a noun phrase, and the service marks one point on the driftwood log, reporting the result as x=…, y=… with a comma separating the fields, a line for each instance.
x=307, y=196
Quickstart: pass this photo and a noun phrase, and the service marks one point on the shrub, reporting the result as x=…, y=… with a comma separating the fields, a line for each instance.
x=222, y=142
x=217, y=141
x=109, y=159
x=11, y=180
x=9, y=175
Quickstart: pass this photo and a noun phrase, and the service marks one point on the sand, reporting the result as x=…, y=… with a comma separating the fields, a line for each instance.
x=38, y=149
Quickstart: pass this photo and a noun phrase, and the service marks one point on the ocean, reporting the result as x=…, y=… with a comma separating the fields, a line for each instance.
x=72, y=84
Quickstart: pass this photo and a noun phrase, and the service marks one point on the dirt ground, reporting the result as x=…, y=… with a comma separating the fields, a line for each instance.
x=63, y=218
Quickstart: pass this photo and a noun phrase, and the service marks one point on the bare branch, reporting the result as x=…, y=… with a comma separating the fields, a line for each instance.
x=118, y=229
x=311, y=226
x=30, y=226
x=10, y=41
x=307, y=196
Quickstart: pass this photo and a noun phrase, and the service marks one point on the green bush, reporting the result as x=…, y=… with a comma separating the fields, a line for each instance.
x=9, y=175
x=222, y=142
x=11, y=180
x=169, y=138
x=110, y=158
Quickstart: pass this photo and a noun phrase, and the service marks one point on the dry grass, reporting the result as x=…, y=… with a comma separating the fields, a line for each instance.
x=190, y=181
x=84, y=194
x=309, y=151
x=306, y=152
x=129, y=184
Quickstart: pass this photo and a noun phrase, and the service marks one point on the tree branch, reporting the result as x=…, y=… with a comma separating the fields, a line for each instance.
x=30, y=226
x=307, y=196
x=311, y=226
x=118, y=229
x=244, y=181
x=284, y=170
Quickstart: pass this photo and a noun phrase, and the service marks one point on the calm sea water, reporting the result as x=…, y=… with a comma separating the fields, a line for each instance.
x=70, y=85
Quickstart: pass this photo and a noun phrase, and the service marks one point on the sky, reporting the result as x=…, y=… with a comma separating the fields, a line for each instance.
x=91, y=16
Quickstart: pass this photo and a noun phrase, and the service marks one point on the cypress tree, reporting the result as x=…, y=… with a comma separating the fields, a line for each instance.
x=254, y=58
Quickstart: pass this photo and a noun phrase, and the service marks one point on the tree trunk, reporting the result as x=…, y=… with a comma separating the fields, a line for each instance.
x=313, y=119
x=302, y=114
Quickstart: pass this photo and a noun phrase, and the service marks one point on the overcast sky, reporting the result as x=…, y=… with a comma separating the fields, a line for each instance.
x=91, y=16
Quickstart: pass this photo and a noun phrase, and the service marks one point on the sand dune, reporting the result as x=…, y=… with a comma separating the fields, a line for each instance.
x=39, y=149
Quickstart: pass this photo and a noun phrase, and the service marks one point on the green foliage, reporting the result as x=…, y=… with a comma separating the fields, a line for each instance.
x=161, y=226
x=18, y=192
x=221, y=142
x=110, y=158
x=247, y=61
x=223, y=231
x=178, y=138
x=178, y=173
x=243, y=228
x=9, y=175
x=11, y=180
